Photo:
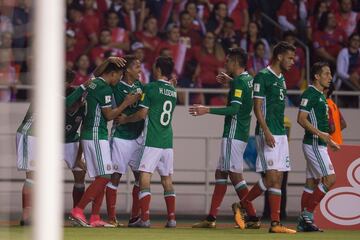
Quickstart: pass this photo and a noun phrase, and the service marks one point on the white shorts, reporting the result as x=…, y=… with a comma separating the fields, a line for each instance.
x=25, y=152
x=97, y=157
x=126, y=153
x=158, y=159
x=318, y=162
x=70, y=153
x=276, y=158
x=231, y=155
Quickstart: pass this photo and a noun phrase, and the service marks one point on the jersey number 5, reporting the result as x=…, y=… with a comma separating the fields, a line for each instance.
x=281, y=94
x=166, y=114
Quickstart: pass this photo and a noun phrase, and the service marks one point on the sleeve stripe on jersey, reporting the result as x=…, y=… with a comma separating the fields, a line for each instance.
x=141, y=105
x=106, y=106
x=236, y=102
x=259, y=97
x=303, y=110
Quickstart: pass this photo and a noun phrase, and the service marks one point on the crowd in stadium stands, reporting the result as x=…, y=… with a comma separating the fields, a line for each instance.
x=196, y=33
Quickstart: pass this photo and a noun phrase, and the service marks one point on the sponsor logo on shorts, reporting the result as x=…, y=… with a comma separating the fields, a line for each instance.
x=142, y=166
x=116, y=167
x=108, y=167
x=270, y=162
x=331, y=167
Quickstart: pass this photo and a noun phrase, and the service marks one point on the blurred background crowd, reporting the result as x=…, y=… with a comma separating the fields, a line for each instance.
x=196, y=33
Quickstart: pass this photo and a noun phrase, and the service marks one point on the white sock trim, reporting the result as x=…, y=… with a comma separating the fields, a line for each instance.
x=240, y=184
x=262, y=185
x=143, y=194
x=275, y=190
x=112, y=186
x=79, y=185
x=308, y=190
x=29, y=181
x=221, y=181
x=322, y=188
x=77, y=169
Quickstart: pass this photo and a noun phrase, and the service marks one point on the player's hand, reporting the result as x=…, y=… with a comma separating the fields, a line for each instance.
x=325, y=137
x=132, y=98
x=223, y=78
x=173, y=80
x=269, y=138
x=87, y=83
x=333, y=145
x=122, y=119
x=120, y=62
x=198, y=110
x=80, y=163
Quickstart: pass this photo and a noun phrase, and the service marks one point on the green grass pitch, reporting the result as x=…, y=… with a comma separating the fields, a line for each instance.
x=183, y=232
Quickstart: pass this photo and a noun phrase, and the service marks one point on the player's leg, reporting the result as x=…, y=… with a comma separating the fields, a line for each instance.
x=111, y=195
x=150, y=158
x=169, y=196
x=99, y=167
x=309, y=187
x=27, y=198
x=135, y=209
x=79, y=185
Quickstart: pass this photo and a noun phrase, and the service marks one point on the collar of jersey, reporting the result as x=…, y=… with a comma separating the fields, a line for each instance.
x=316, y=89
x=163, y=80
x=269, y=68
x=102, y=79
x=126, y=84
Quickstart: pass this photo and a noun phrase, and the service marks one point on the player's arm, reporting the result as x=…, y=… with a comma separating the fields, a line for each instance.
x=75, y=96
x=111, y=113
x=259, y=95
x=120, y=62
x=302, y=119
x=269, y=138
x=198, y=110
x=136, y=117
x=331, y=122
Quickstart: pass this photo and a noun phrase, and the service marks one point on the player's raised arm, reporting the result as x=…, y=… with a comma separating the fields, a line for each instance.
x=120, y=62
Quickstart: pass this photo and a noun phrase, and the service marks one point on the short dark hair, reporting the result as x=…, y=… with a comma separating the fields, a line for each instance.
x=166, y=65
x=129, y=60
x=354, y=34
x=288, y=34
x=281, y=48
x=317, y=68
x=111, y=67
x=258, y=43
x=238, y=55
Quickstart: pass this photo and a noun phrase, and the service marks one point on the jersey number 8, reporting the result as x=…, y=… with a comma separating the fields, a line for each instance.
x=166, y=114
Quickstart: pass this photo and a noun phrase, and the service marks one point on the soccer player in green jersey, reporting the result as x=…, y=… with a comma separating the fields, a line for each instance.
x=314, y=118
x=126, y=141
x=157, y=105
x=272, y=145
x=94, y=140
x=235, y=135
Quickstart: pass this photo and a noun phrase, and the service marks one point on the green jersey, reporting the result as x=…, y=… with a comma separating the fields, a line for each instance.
x=241, y=90
x=129, y=130
x=314, y=102
x=99, y=95
x=26, y=126
x=272, y=89
x=160, y=98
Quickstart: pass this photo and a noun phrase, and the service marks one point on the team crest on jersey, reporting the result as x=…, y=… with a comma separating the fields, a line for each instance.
x=304, y=102
x=78, y=119
x=270, y=163
x=256, y=87
x=107, y=99
x=238, y=93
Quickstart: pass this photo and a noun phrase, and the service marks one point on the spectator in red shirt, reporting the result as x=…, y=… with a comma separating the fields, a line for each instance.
x=186, y=29
x=7, y=76
x=296, y=75
x=72, y=53
x=86, y=37
x=347, y=18
x=196, y=12
x=82, y=67
x=210, y=58
x=329, y=39
x=257, y=61
x=313, y=21
x=119, y=36
x=92, y=19
x=253, y=35
x=149, y=37
x=99, y=53
x=217, y=17
x=178, y=46
x=288, y=15
x=137, y=49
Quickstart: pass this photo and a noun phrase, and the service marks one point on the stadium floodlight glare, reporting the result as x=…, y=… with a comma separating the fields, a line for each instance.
x=48, y=72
